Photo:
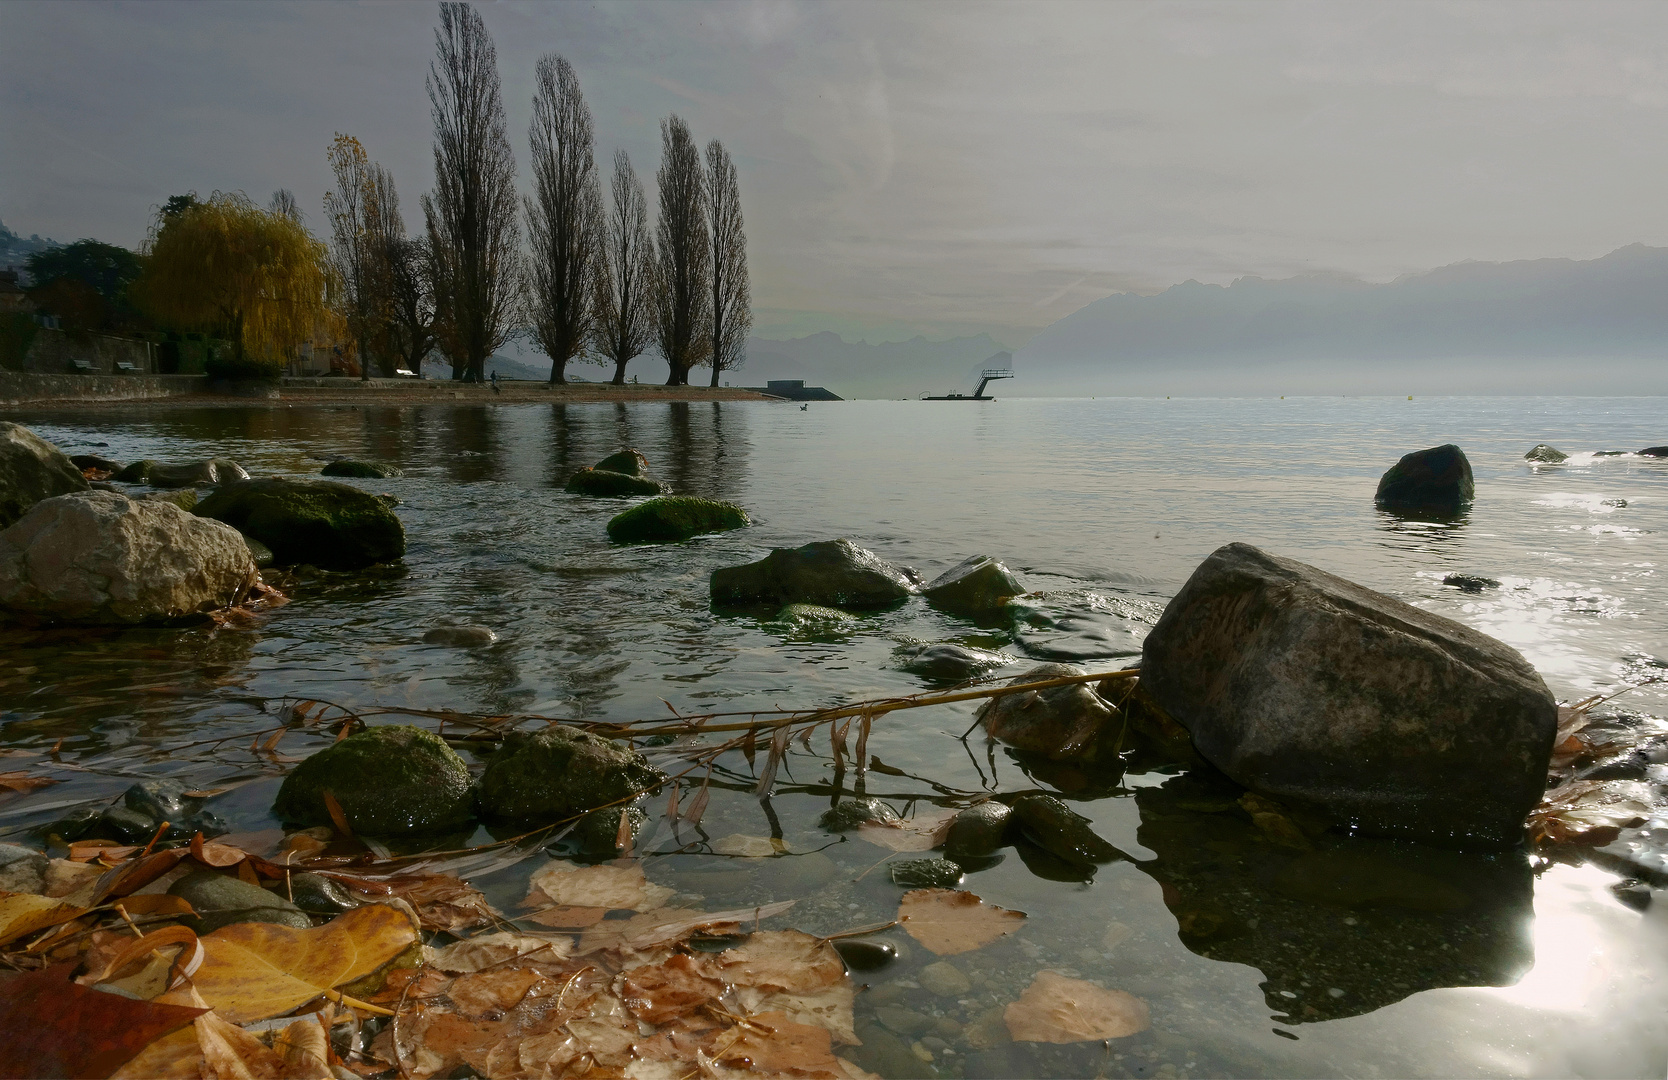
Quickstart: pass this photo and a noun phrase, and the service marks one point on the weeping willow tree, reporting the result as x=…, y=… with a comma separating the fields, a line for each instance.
x=227, y=267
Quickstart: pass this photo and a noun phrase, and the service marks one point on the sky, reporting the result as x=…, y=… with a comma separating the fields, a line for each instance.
x=919, y=168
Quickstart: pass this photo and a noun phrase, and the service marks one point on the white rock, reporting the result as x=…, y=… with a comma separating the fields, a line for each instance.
x=100, y=557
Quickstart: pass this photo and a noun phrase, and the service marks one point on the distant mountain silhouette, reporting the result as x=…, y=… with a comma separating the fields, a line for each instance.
x=1537, y=326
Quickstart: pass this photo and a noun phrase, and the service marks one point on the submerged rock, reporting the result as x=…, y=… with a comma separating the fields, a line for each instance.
x=625, y=462
x=214, y=471
x=672, y=518
x=98, y=557
x=1053, y=826
x=461, y=637
x=833, y=573
x=1073, y=625
x=1471, y=583
x=1437, y=480
x=145, y=806
x=1319, y=691
x=389, y=781
x=31, y=469
x=364, y=470
x=221, y=900
x=605, y=484
x=865, y=955
x=315, y=894
x=1061, y=723
x=949, y=662
x=976, y=586
x=809, y=620
x=848, y=814
x=1654, y=451
x=926, y=874
x=1544, y=453
x=978, y=830
x=559, y=773
x=330, y=525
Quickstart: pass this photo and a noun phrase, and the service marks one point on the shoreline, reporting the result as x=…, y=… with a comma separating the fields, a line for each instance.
x=308, y=392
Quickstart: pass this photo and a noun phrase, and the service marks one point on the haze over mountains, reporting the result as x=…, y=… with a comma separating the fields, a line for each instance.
x=1556, y=326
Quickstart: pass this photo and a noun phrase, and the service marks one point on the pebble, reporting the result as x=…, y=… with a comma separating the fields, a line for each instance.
x=903, y=1021
x=926, y=874
x=944, y=979
x=866, y=955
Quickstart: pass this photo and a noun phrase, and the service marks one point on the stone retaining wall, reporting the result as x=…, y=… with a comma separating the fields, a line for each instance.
x=55, y=352
x=20, y=387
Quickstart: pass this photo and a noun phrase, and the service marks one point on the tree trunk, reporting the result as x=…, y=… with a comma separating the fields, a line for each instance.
x=619, y=373
x=557, y=374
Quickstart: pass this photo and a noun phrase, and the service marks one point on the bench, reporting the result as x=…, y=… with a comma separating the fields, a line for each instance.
x=82, y=365
x=126, y=368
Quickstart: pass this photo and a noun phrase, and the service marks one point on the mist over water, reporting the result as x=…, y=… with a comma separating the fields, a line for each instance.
x=1456, y=965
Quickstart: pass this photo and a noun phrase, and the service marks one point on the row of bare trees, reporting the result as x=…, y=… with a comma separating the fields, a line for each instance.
x=593, y=284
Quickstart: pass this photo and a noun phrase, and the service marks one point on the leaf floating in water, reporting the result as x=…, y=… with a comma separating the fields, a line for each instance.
x=22, y=783
x=1590, y=811
x=670, y=924
x=1055, y=1009
x=951, y=921
x=921, y=833
x=442, y=901
x=607, y=887
x=748, y=847
x=490, y=950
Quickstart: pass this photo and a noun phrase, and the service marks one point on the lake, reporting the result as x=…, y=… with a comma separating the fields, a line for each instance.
x=1254, y=962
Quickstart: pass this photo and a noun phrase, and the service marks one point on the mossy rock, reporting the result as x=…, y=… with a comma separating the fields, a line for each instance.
x=977, y=586
x=389, y=780
x=560, y=773
x=185, y=498
x=598, y=832
x=363, y=470
x=626, y=462
x=1543, y=453
x=673, y=518
x=605, y=484
x=330, y=525
x=830, y=573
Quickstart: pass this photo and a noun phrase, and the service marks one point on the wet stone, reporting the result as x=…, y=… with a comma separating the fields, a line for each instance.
x=22, y=869
x=950, y=663
x=1544, y=453
x=1073, y=626
x=866, y=955
x=460, y=637
x=944, y=979
x=978, y=830
x=315, y=894
x=221, y=900
x=1054, y=827
x=926, y=874
x=851, y=813
x=1470, y=583
x=903, y=1021
x=598, y=832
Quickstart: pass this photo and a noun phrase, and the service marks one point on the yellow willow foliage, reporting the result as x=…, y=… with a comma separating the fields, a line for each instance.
x=227, y=266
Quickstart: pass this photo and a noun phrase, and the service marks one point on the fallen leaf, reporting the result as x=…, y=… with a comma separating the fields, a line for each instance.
x=668, y=924
x=65, y=879
x=489, y=994
x=178, y=1056
x=1055, y=1009
x=657, y=993
x=951, y=921
x=442, y=901
x=830, y=1007
x=23, y=783
x=774, y=1045
x=53, y=1027
x=215, y=855
x=782, y=960
x=606, y=887
x=230, y=1053
x=1590, y=811
x=88, y=850
x=748, y=847
x=489, y=950
x=252, y=971
x=567, y=918
x=304, y=1050
x=921, y=833
x=22, y=914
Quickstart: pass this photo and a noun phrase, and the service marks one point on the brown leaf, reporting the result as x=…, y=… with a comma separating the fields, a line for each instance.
x=782, y=960
x=773, y=1045
x=1055, y=1009
x=52, y=1027
x=567, y=918
x=920, y=833
x=489, y=994
x=215, y=855
x=230, y=1053
x=697, y=805
x=1589, y=811
x=668, y=924
x=442, y=901
x=951, y=921
x=252, y=971
x=489, y=950
x=604, y=886
x=304, y=1050
x=657, y=993
x=23, y=914
x=337, y=817
x=23, y=783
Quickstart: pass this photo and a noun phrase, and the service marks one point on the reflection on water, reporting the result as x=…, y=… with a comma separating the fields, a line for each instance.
x=1104, y=508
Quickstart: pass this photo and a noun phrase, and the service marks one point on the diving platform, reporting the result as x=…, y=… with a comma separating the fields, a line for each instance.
x=986, y=377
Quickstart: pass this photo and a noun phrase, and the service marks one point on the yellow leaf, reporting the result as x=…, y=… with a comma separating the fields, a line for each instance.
x=1055, y=1009
x=950, y=921
x=609, y=887
x=252, y=971
x=22, y=914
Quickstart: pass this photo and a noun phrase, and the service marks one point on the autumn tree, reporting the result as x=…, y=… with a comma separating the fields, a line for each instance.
x=283, y=202
x=732, y=307
x=471, y=215
x=563, y=216
x=625, y=273
x=226, y=266
x=682, y=306
x=365, y=223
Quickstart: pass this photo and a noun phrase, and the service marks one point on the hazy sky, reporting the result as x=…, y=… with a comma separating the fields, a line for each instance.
x=911, y=167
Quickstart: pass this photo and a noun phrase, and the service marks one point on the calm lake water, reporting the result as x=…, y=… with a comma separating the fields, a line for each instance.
x=1362, y=959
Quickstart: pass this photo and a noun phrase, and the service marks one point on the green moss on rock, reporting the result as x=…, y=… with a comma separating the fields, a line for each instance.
x=330, y=525
x=605, y=484
x=558, y=773
x=389, y=780
x=363, y=470
x=673, y=518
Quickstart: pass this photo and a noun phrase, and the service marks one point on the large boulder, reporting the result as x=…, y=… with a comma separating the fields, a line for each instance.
x=31, y=469
x=610, y=485
x=330, y=525
x=1062, y=723
x=1309, y=688
x=559, y=773
x=833, y=573
x=388, y=781
x=363, y=470
x=946, y=661
x=1437, y=480
x=627, y=462
x=976, y=586
x=212, y=472
x=673, y=518
x=98, y=557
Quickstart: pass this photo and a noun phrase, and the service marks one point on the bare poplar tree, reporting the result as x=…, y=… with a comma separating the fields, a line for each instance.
x=625, y=273
x=411, y=296
x=732, y=303
x=563, y=216
x=364, y=216
x=284, y=205
x=682, y=305
x=471, y=216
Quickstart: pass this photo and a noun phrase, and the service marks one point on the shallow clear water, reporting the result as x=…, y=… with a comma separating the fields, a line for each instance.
x=1105, y=506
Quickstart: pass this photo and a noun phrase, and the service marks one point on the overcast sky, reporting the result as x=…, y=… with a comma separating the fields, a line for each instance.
x=913, y=167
